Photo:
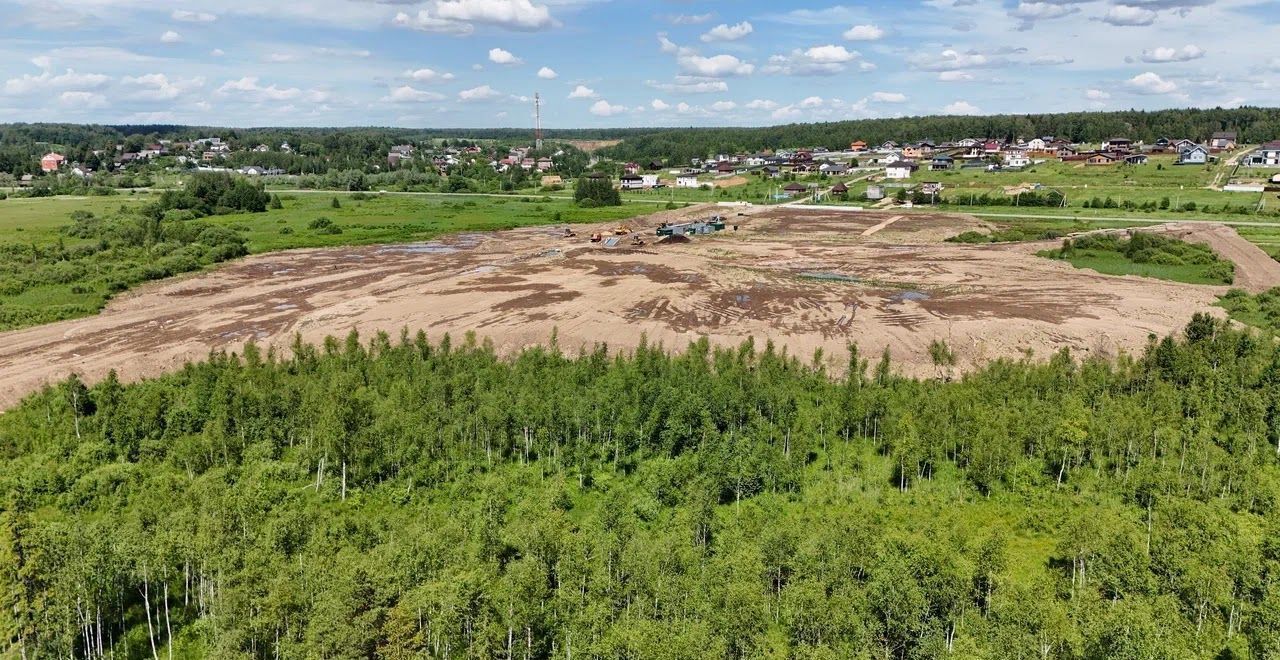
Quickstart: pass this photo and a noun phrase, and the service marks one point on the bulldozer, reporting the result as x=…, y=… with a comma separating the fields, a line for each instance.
x=636, y=241
x=597, y=237
x=622, y=230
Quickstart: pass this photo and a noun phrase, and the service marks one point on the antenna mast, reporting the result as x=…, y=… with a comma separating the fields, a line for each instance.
x=537, y=121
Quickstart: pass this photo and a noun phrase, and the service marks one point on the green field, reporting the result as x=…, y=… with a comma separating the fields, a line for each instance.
x=50, y=273
x=1146, y=255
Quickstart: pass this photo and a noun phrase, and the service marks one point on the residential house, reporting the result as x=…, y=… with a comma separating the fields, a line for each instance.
x=1197, y=155
x=52, y=161
x=1016, y=158
x=772, y=171
x=931, y=187
x=900, y=170
x=549, y=180
x=991, y=147
x=1066, y=151
x=1223, y=140
x=968, y=142
x=81, y=171
x=857, y=145
x=632, y=182
x=650, y=180
x=875, y=192
x=833, y=168
x=793, y=189
x=631, y=168
x=209, y=156
x=687, y=180
x=889, y=146
x=1275, y=178
x=655, y=165
x=913, y=151
x=545, y=164
x=261, y=149
x=1136, y=159
x=942, y=162
x=1268, y=155
x=284, y=146
x=527, y=164
x=1118, y=144
x=840, y=190
x=1101, y=158
x=1037, y=144
x=394, y=158
x=753, y=161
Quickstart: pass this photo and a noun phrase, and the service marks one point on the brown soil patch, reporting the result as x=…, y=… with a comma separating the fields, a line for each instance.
x=806, y=279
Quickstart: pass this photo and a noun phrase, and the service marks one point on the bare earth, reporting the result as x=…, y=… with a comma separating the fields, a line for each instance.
x=806, y=279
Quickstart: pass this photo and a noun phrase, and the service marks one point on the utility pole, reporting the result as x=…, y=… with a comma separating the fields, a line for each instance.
x=537, y=121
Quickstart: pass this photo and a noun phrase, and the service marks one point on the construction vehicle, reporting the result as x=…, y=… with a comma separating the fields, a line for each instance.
x=597, y=237
x=568, y=233
x=622, y=230
x=636, y=241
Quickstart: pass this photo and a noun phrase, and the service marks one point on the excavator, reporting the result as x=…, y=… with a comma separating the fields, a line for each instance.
x=636, y=241
x=622, y=230
x=597, y=237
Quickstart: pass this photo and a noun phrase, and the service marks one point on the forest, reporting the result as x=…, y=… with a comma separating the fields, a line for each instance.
x=407, y=497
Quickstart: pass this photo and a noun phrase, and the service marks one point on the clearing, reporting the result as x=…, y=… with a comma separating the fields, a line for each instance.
x=808, y=280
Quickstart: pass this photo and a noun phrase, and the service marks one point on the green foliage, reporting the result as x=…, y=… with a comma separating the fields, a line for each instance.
x=1262, y=310
x=1145, y=253
x=591, y=192
x=214, y=193
x=1014, y=234
x=402, y=498
x=324, y=226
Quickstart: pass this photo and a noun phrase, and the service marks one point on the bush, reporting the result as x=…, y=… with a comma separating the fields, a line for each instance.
x=324, y=226
x=335, y=203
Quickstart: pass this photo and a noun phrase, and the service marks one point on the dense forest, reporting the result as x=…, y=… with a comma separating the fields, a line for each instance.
x=1255, y=125
x=399, y=498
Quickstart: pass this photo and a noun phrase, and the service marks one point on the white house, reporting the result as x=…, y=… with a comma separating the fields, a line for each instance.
x=1197, y=155
x=1268, y=155
x=1037, y=144
x=687, y=181
x=649, y=180
x=632, y=182
x=899, y=170
x=1016, y=158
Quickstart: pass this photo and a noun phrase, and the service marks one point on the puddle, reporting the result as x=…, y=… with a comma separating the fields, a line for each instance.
x=830, y=277
x=742, y=299
x=419, y=248
x=480, y=270
x=284, y=308
x=909, y=296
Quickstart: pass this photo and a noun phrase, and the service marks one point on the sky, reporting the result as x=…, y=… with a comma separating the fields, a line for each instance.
x=616, y=63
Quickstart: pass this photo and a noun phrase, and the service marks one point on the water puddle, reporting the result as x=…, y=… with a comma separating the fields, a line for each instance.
x=909, y=296
x=831, y=277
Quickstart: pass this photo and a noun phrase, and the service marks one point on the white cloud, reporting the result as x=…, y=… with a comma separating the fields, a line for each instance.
x=786, y=112
x=726, y=32
x=864, y=33
x=961, y=108
x=83, y=99
x=547, y=73
x=28, y=84
x=170, y=37
x=217, y=52
x=193, y=16
x=1051, y=60
x=428, y=75
x=250, y=89
x=690, y=85
x=954, y=60
x=281, y=58
x=827, y=60
x=659, y=105
x=762, y=104
x=509, y=14
x=1027, y=13
x=690, y=19
x=954, y=76
x=502, y=56
x=1126, y=15
x=1164, y=54
x=723, y=106
x=1096, y=95
x=603, y=108
x=812, y=102
x=715, y=66
x=583, y=92
x=409, y=94
x=1151, y=83
x=481, y=93
x=158, y=86
x=889, y=97
x=423, y=21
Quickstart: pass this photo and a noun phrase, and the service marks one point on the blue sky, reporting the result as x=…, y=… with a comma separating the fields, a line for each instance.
x=477, y=63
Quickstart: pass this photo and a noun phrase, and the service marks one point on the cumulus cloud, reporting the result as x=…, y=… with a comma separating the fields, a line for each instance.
x=461, y=16
x=690, y=19
x=864, y=33
x=250, y=89
x=1128, y=15
x=1096, y=95
x=409, y=94
x=1051, y=60
x=583, y=92
x=423, y=21
x=954, y=60
x=693, y=63
x=659, y=105
x=823, y=60
x=889, y=97
x=481, y=93
x=1027, y=13
x=428, y=75
x=726, y=32
x=193, y=16
x=690, y=85
x=1164, y=54
x=961, y=108
x=47, y=81
x=762, y=104
x=723, y=106
x=502, y=56
x=603, y=108
x=90, y=100
x=1151, y=83
x=547, y=73
x=954, y=76
x=170, y=37
x=159, y=87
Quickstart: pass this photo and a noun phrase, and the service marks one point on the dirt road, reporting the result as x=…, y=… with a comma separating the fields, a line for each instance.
x=808, y=280
x=1256, y=271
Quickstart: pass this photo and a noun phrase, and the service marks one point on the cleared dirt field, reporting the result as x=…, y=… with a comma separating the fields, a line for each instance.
x=806, y=279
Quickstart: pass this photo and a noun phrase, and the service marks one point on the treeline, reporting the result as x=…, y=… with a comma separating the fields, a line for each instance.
x=403, y=498
x=678, y=146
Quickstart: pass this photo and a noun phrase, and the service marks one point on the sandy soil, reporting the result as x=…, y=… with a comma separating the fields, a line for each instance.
x=806, y=279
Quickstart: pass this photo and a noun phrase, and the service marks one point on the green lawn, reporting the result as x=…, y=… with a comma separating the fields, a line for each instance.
x=1112, y=263
x=1146, y=255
